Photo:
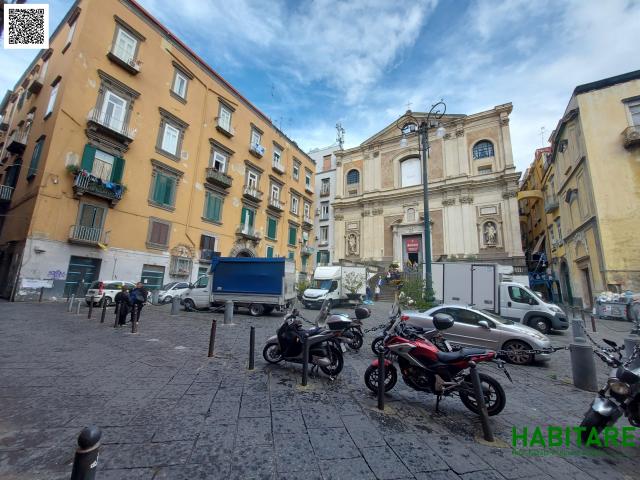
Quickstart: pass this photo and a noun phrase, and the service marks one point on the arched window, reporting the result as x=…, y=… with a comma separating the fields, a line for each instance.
x=483, y=149
x=410, y=173
x=353, y=177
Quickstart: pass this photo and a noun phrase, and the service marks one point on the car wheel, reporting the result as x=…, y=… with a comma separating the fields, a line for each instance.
x=107, y=301
x=515, y=352
x=167, y=299
x=540, y=324
x=189, y=305
x=256, y=309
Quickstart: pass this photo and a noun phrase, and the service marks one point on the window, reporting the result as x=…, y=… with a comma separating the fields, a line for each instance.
x=520, y=295
x=21, y=99
x=269, y=251
x=291, y=255
x=275, y=192
x=202, y=282
x=180, y=81
x=256, y=137
x=212, y=207
x=180, y=266
x=303, y=264
x=90, y=220
x=163, y=190
x=293, y=235
x=634, y=111
x=125, y=45
x=410, y=172
x=272, y=228
x=113, y=111
x=158, y=233
x=224, y=118
x=353, y=177
x=307, y=211
x=170, y=135
x=296, y=170
x=252, y=179
x=170, y=139
x=247, y=218
x=102, y=165
x=322, y=257
x=295, y=201
x=483, y=149
x=72, y=30
x=52, y=99
x=325, y=187
x=559, y=228
x=307, y=179
x=35, y=159
x=464, y=316
x=324, y=211
x=207, y=247
x=277, y=156
x=324, y=234
x=219, y=161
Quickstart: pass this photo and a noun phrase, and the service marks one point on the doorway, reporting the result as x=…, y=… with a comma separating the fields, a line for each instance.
x=81, y=273
x=564, y=275
x=586, y=279
x=412, y=250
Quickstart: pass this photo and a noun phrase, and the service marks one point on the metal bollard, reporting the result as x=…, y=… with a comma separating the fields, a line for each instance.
x=305, y=362
x=212, y=337
x=41, y=294
x=91, y=300
x=86, y=458
x=175, y=305
x=381, y=379
x=71, y=300
x=104, y=310
x=578, y=331
x=78, y=307
x=593, y=322
x=115, y=324
x=583, y=366
x=134, y=318
x=484, y=414
x=252, y=347
x=154, y=296
x=228, y=312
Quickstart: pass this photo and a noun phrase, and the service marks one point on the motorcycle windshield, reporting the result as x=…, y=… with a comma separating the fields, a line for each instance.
x=627, y=376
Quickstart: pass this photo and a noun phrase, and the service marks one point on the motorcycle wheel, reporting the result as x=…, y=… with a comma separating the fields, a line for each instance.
x=371, y=378
x=377, y=346
x=356, y=343
x=337, y=362
x=271, y=353
x=494, y=396
x=592, y=420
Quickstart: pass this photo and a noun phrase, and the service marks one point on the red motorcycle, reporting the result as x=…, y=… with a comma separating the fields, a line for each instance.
x=426, y=368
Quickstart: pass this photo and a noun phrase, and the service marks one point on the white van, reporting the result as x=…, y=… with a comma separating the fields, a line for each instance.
x=329, y=284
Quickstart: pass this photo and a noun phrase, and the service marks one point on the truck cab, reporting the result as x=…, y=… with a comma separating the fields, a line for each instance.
x=326, y=284
x=198, y=294
x=520, y=304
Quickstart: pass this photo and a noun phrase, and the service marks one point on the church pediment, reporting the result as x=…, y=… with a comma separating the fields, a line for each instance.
x=392, y=131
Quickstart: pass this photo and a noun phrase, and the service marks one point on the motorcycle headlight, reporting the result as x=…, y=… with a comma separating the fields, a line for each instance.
x=619, y=388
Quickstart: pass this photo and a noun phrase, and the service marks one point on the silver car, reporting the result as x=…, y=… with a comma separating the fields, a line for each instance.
x=479, y=328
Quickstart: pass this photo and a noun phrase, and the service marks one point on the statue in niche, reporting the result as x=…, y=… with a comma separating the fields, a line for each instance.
x=490, y=233
x=352, y=244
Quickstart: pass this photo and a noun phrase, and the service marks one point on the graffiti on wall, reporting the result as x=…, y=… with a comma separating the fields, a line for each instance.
x=56, y=275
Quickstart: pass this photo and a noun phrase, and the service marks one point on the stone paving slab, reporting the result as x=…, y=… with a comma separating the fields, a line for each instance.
x=168, y=412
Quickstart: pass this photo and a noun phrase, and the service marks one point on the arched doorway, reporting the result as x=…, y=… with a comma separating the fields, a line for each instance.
x=566, y=283
x=244, y=253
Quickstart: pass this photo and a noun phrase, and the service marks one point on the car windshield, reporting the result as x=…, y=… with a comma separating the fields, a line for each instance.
x=321, y=284
x=168, y=285
x=496, y=318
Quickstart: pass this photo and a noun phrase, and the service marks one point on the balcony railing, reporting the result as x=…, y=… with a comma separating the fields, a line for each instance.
x=278, y=167
x=89, y=235
x=85, y=183
x=276, y=204
x=307, y=219
x=307, y=250
x=17, y=141
x=325, y=192
x=551, y=204
x=252, y=193
x=631, y=136
x=248, y=231
x=219, y=178
x=131, y=65
x=5, y=193
x=111, y=125
x=256, y=150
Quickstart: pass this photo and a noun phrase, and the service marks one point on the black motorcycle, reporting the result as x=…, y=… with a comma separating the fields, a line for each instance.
x=351, y=333
x=620, y=396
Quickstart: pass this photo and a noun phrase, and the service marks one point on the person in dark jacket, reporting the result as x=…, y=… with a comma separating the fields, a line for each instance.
x=139, y=298
x=123, y=304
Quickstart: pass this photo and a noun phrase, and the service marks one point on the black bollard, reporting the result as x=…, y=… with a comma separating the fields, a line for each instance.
x=134, y=319
x=212, y=338
x=41, y=294
x=104, y=310
x=252, y=347
x=381, y=378
x=484, y=414
x=90, y=308
x=115, y=324
x=305, y=362
x=86, y=458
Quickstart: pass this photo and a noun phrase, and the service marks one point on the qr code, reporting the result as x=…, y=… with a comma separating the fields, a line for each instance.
x=26, y=26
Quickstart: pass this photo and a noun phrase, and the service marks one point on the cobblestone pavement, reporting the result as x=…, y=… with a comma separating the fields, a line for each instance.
x=169, y=412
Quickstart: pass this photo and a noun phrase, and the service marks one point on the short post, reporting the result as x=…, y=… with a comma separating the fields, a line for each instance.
x=91, y=300
x=175, y=305
x=86, y=458
x=228, y=312
x=104, y=310
x=583, y=365
x=381, y=378
x=212, y=337
x=134, y=318
x=41, y=294
x=593, y=322
x=305, y=362
x=578, y=331
x=78, y=307
x=115, y=324
x=154, y=296
x=71, y=300
x=252, y=347
x=482, y=407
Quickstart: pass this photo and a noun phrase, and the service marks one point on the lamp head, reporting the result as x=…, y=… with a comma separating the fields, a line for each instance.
x=440, y=132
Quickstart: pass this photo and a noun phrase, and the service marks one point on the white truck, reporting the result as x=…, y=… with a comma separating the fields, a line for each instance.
x=485, y=287
x=333, y=283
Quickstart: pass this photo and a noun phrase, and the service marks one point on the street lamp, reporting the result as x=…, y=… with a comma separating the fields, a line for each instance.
x=408, y=124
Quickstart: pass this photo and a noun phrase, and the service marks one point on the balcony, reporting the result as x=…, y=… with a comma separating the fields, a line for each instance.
x=252, y=193
x=88, y=235
x=4, y=125
x=131, y=65
x=631, y=136
x=276, y=204
x=17, y=141
x=112, y=127
x=308, y=188
x=308, y=221
x=551, y=204
x=5, y=193
x=256, y=150
x=227, y=130
x=36, y=85
x=206, y=255
x=85, y=183
x=278, y=167
x=307, y=250
x=325, y=192
x=249, y=232
x=217, y=177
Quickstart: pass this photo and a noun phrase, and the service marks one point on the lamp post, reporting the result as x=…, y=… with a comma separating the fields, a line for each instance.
x=409, y=124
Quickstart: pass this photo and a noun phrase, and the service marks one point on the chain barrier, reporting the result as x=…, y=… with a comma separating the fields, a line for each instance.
x=373, y=329
x=533, y=351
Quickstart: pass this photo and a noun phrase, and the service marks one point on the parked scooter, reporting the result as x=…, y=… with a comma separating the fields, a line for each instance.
x=288, y=344
x=425, y=368
x=350, y=333
x=620, y=396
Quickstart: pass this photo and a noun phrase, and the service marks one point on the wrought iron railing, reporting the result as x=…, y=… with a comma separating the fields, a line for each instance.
x=89, y=184
x=116, y=125
x=81, y=233
x=5, y=192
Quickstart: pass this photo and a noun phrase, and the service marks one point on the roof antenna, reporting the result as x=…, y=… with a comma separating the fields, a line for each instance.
x=340, y=137
x=542, y=131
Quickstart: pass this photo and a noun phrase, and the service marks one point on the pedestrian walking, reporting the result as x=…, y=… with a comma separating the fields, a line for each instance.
x=139, y=298
x=123, y=304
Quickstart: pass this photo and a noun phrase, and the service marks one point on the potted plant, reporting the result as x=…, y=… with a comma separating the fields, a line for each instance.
x=353, y=283
x=301, y=287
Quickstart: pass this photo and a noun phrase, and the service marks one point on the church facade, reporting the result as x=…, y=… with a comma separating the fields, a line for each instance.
x=473, y=208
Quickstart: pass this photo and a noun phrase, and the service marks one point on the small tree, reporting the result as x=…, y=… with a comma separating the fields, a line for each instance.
x=412, y=294
x=301, y=287
x=353, y=282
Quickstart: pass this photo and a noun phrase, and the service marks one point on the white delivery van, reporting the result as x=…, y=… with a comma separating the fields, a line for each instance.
x=479, y=285
x=329, y=283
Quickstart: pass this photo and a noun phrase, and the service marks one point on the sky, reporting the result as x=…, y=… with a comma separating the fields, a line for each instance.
x=311, y=64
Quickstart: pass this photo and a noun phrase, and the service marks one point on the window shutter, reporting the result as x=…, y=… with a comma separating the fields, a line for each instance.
x=87, y=158
x=217, y=204
x=292, y=236
x=35, y=158
x=118, y=168
x=169, y=188
x=158, y=189
x=271, y=227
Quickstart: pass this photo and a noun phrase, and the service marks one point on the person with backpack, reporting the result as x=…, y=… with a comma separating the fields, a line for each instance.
x=123, y=305
x=139, y=298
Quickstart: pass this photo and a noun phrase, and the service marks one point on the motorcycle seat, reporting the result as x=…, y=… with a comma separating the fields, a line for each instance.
x=313, y=331
x=448, y=357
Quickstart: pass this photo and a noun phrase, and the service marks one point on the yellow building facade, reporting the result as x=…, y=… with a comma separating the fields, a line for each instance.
x=125, y=157
x=595, y=181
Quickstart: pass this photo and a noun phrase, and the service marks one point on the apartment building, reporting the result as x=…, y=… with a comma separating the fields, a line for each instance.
x=125, y=156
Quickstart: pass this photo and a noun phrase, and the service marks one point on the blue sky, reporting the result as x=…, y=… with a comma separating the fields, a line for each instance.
x=309, y=65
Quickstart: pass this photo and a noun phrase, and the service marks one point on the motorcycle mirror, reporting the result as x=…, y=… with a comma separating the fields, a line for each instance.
x=611, y=343
x=484, y=324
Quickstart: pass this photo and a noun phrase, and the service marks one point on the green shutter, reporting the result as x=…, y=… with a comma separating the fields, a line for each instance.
x=118, y=168
x=245, y=212
x=35, y=158
x=217, y=208
x=318, y=258
x=272, y=226
x=269, y=251
x=159, y=189
x=213, y=207
x=169, y=190
x=87, y=158
x=293, y=232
